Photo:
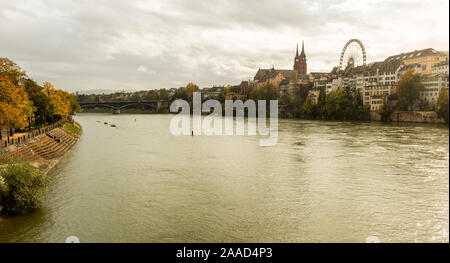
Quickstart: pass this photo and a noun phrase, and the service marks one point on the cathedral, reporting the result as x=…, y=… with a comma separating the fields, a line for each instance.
x=284, y=79
x=300, y=61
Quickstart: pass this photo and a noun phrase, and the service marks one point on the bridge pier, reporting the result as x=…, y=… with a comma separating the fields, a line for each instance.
x=115, y=111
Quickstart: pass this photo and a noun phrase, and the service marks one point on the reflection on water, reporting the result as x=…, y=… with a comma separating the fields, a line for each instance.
x=322, y=182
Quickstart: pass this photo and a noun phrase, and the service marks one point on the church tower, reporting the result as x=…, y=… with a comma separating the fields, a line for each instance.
x=300, y=61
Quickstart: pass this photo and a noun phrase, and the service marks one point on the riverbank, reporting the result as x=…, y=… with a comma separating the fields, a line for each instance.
x=42, y=152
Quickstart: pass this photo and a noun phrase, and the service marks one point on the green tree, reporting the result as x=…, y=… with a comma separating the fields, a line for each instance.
x=266, y=92
x=409, y=88
x=385, y=112
x=135, y=97
x=163, y=94
x=338, y=105
x=40, y=100
x=298, y=98
x=180, y=93
x=25, y=187
x=152, y=95
x=311, y=109
x=442, y=105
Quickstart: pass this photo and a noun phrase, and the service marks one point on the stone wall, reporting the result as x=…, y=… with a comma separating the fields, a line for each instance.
x=410, y=116
x=416, y=116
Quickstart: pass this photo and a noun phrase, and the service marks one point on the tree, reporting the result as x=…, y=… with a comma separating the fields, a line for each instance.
x=25, y=187
x=135, y=97
x=180, y=93
x=11, y=70
x=442, y=105
x=73, y=104
x=59, y=105
x=152, y=95
x=15, y=108
x=40, y=100
x=298, y=98
x=330, y=105
x=265, y=91
x=338, y=105
x=409, y=88
x=385, y=112
x=190, y=88
x=311, y=109
x=163, y=94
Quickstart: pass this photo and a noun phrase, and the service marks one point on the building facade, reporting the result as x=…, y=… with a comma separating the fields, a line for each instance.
x=426, y=58
x=440, y=68
x=433, y=83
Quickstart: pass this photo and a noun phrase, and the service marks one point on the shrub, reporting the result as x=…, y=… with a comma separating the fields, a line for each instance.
x=26, y=187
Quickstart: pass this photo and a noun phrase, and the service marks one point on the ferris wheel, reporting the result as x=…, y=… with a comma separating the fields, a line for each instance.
x=353, y=54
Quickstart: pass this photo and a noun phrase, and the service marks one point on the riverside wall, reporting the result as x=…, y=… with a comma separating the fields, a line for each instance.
x=410, y=116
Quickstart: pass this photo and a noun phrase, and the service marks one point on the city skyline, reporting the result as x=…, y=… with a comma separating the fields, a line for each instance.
x=154, y=45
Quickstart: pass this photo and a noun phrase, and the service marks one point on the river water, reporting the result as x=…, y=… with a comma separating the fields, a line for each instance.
x=322, y=182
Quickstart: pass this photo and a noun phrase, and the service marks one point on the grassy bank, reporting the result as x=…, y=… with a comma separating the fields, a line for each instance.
x=72, y=129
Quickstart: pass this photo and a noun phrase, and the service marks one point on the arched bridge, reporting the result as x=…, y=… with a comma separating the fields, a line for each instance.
x=116, y=106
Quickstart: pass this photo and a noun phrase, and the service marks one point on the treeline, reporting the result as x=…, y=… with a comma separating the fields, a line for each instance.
x=337, y=105
x=24, y=103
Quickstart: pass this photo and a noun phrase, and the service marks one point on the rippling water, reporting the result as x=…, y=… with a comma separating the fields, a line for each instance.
x=322, y=182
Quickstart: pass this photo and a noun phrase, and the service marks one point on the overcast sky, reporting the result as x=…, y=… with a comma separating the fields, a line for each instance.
x=137, y=45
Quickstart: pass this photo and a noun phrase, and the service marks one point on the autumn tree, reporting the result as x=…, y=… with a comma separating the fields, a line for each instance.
x=265, y=91
x=73, y=104
x=190, y=88
x=442, y=105
x=409, y=88
x=10, y=69
x=58, y=103
x=15, y=108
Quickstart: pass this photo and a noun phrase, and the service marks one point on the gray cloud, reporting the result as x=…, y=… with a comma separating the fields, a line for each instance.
x=82, y=45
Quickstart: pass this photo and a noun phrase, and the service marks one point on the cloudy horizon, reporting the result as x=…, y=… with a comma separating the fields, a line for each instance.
x=142, y=45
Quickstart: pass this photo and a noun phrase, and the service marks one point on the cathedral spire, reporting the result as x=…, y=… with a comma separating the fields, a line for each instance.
x=303, y=49
x=296, y=53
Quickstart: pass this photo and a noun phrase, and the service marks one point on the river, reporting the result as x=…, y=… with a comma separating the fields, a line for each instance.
x=322, y=182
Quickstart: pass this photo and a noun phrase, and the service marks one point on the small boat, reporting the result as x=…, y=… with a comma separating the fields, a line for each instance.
x=105, y=123
x=113, y=125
